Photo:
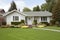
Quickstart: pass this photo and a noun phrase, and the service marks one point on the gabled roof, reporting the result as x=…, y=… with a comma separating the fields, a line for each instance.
x=38, y=13
x=7, y=13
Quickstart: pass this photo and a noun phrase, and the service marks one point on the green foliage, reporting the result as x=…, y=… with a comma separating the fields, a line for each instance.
x=44, y=7
x=3, y=23
x=56, y=12
x=35, y=22
x=28, y=34
x=46, y=23
x=37, y=8
x=26, y=9
x=13, y=6
x=50, y=4
x=22, y=21
x=12, y=26
x=15, y=23
x=52, y=22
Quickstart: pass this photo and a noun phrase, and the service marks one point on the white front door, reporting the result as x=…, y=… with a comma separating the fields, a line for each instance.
x=29, y=21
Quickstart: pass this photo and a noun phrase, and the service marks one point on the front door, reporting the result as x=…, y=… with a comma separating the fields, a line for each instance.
x=29, y=21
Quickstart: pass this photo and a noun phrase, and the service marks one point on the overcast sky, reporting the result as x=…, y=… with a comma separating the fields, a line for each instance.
x=5, y=4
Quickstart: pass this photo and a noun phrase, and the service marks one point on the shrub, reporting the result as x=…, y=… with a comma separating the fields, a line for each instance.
x=3, y=23
x=22, y=21
x=41, y=26
x=5, y=26
x=57, y=23
x=52, y=22
x=15, y=23
x=35, y=22
x=24, y=26
x=18, y=23
x=46, y=23
x=12, y=27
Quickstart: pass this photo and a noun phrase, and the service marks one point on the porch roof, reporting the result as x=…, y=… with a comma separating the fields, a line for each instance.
x=35, y=13
x=39, y=13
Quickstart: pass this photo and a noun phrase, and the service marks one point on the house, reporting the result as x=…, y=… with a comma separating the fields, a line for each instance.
x=2, y=11
x=28, y=17
x=1, y=16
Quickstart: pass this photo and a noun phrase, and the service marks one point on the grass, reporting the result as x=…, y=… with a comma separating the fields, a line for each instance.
x=53, y=27
x=27, y=34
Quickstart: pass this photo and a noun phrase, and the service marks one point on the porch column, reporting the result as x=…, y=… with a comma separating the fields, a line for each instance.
x=48, y=19
x=26, y=20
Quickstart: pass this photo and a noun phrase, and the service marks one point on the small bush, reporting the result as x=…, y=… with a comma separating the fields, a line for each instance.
x=46, y=23
x=15, y=23
x=3, y=23
x=24, y=26
x=18, y=23
x=57, y=23
x=41, y=26
x=52, y=22
x=35, y=22
x=12, y=27
x=22, y=21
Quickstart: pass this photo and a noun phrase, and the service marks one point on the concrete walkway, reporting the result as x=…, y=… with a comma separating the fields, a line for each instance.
x=48, y=29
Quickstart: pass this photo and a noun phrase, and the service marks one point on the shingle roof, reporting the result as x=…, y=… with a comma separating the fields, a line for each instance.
x=41, y=13
x=7, y=13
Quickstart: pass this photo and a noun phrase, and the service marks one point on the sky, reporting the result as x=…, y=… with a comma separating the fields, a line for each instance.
x=5, y=4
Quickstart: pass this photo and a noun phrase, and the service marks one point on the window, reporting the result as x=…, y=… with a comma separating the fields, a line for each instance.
x=15, y=18
x=44, y=19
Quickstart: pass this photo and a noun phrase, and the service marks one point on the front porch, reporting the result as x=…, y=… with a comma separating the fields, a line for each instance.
x=29, y=20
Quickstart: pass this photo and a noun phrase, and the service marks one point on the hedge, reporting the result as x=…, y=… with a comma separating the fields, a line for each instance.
x=45, y=23
x=15, y=23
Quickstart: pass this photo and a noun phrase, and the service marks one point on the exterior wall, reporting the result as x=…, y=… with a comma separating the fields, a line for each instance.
x=48, y=19
x=39, y=20
x=30, y=21
x=9, y=18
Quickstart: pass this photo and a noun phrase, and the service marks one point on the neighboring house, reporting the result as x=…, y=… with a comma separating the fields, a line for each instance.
x=1, y=16
x=2, y=11
x=28, y=17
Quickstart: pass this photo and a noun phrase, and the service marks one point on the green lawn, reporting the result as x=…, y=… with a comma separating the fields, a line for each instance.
x=53, y=27
x=27, y=34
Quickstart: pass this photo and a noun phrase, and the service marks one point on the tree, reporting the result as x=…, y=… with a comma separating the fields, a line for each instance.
x=44, y=7
x=50, y=4
x=56, y=12
x=13, y=6
x=26, y=9
x=37, y=8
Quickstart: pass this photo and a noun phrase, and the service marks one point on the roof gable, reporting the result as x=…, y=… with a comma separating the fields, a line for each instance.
x=8, y=13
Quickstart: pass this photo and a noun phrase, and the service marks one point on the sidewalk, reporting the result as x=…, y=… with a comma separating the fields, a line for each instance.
x=48, y=29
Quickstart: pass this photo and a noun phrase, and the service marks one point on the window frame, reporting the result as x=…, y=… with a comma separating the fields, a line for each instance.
x=44, y=19
x=15, y=18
